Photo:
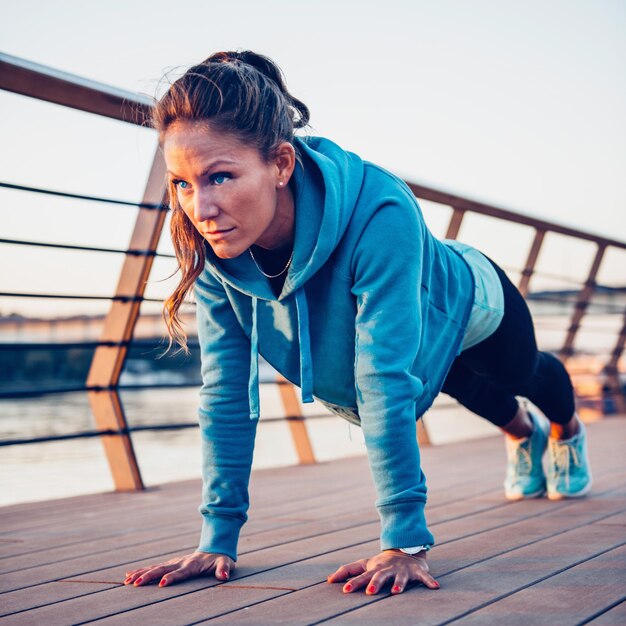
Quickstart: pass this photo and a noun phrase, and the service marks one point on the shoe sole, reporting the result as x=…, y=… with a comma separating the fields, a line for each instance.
x=514, y=497
x=555, y=495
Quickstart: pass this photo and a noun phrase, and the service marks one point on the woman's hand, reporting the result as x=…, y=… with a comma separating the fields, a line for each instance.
x=389, y=565
x=182, y=568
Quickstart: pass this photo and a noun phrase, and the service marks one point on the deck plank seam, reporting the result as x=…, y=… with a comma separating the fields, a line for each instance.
x=270, y=512
x=532, y=584
x=292, y=505
x=602, y=612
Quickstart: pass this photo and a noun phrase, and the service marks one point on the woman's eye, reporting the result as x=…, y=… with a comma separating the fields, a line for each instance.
x=181, y=184
x=220, y=178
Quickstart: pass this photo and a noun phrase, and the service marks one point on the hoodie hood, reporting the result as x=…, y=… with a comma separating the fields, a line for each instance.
x=326, y=184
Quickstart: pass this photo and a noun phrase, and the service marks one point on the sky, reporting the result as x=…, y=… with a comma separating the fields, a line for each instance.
x=518, y=104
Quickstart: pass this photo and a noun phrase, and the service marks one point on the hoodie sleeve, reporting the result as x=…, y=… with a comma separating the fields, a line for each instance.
x=387, y=265
x=226, y=429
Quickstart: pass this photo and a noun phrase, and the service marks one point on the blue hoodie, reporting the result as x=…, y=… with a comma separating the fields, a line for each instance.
x=371, y=315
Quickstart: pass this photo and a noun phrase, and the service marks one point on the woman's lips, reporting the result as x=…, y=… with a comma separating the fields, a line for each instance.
x=218, y=234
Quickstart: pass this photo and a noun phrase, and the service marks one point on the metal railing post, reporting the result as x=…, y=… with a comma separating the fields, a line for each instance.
x=119, y=325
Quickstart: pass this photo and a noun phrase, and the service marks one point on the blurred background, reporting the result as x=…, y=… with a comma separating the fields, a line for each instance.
x=517, y=105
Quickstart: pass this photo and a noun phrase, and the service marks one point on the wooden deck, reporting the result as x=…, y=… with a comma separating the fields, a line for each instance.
x=533, y=562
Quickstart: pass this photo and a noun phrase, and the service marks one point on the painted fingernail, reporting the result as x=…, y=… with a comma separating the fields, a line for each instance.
x=437, y=585
x=395, y=589
x=224, y=575
x=138, y=581
x=371, y=589
x=163, y=582
x=348, y=587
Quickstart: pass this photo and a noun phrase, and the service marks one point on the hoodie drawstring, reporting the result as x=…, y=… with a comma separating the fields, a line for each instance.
x=253, y=382
x=304, y=339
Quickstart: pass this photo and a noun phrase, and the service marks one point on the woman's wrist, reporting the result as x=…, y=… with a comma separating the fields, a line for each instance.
x=416, y=551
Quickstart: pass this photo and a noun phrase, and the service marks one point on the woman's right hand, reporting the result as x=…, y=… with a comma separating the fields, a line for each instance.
x=182, y=568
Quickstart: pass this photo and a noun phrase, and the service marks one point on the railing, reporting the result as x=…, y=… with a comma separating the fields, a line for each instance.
x=103, y=381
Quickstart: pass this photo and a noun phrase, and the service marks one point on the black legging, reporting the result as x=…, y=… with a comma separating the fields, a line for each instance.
x=487, y=377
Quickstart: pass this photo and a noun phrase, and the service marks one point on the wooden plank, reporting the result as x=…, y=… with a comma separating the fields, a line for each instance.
x=455, y=222
x=470, y=588
x=266, y=487
x=322, y=601
x=298, y=429
x=488, y=577
x=99, y=604
x=615, y=616
x=277, y=573
x=576, y=594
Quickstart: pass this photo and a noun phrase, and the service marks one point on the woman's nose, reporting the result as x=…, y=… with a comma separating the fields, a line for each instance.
x=204, y=208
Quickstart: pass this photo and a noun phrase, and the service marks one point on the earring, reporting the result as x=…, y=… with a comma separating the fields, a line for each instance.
x=280, y=184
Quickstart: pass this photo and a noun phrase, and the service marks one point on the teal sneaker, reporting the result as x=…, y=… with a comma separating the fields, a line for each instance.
x=569, y=473
x=524, y=472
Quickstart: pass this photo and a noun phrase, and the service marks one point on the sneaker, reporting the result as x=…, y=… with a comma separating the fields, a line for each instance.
x=524, y=471
x=569, y=473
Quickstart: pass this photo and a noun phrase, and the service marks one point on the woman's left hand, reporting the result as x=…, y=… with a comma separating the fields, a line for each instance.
x=389, y=565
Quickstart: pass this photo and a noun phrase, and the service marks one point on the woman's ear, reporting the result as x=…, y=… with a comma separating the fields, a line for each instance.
x=285, y=161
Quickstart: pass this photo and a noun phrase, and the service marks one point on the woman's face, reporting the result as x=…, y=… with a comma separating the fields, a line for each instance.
x=232, y=196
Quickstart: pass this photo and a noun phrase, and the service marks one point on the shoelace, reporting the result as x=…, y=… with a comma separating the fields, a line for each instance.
x=522, y=457
x=562, y=453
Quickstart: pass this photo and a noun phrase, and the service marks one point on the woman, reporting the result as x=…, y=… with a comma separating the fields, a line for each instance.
x=322, y=263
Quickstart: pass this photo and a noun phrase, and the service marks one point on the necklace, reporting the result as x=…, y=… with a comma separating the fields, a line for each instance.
x=271, y=275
